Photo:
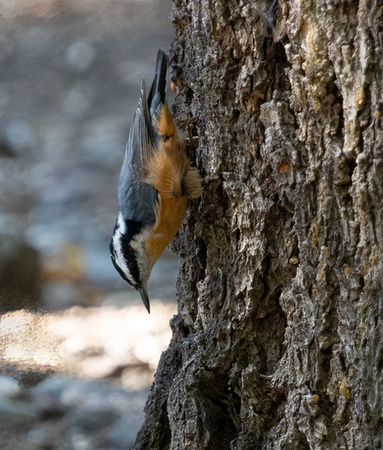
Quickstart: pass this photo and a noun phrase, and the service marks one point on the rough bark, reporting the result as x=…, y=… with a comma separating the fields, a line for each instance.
x=278, y=342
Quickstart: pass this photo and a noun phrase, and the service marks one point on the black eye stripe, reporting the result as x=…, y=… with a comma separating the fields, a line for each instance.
x=120, y=272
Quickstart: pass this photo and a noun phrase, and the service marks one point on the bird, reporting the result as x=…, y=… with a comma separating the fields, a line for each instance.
x=155, y=183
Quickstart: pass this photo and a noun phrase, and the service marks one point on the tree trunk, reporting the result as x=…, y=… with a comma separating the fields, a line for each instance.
x=278, y=341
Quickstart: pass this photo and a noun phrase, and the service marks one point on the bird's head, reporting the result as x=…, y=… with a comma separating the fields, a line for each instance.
x=129, y=256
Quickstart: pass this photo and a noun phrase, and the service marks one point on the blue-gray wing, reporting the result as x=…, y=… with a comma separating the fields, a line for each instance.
x=136, y=199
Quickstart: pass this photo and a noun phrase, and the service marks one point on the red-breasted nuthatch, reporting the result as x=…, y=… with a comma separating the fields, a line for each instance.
x=155, y=182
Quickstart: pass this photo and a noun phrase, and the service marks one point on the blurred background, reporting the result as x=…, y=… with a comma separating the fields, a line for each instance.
x=70, y=75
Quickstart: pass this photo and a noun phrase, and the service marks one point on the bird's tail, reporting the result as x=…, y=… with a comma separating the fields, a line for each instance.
x=142, y=135
x=157, y=94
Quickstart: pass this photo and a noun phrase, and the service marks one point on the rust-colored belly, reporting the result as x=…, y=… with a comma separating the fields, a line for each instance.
x=171, y=213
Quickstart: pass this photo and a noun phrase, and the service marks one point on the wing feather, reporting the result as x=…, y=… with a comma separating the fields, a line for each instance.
x=137, y=200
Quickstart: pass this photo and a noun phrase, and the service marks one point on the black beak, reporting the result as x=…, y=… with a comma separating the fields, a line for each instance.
x=144, y=295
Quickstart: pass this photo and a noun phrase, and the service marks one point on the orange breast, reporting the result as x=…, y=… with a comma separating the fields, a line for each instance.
x=169, y=218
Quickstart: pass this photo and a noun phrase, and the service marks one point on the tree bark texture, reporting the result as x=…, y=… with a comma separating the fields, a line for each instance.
x=278, y=342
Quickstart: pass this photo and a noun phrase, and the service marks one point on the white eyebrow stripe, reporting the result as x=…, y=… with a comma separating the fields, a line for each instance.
x=117, y=244
x=121, y=223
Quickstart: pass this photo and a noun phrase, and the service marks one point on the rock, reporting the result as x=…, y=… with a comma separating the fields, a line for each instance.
x=6, y=150
x=47, y=395
x=91, y=419
x=87, y=412
x=19, y=134
x=31, y=376
x=80, y=55
x=19, y=274
x=9, y=387
x=122, y=433
x=23, y=374
x=14, y=413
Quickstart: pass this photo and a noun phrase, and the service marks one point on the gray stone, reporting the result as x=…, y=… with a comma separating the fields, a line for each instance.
x=19, y=134
x=122, y=433
x=9, y=387
x=46, y=396
x=13, y=413
x=91, y=419
x=19, y=274
x=81, y=55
